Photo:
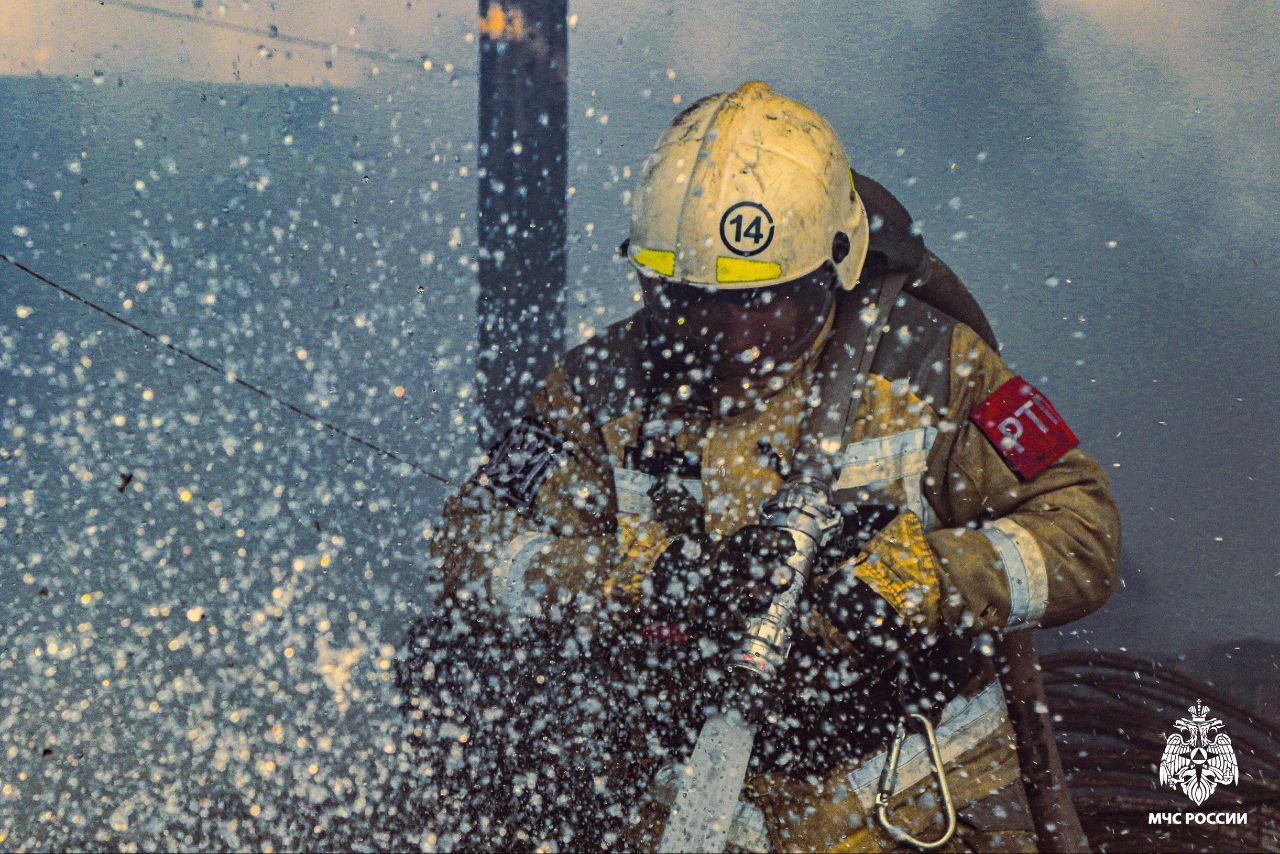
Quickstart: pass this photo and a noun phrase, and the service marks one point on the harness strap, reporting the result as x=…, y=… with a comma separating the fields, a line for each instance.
x=856, y=337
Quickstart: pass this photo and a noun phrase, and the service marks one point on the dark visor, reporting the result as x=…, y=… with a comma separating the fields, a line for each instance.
x=777, y=321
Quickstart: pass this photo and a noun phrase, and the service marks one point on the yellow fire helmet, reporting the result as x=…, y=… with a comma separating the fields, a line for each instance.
x=747, y=189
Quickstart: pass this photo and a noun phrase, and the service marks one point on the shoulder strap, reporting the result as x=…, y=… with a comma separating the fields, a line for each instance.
x=606, y=370
x=843, y=370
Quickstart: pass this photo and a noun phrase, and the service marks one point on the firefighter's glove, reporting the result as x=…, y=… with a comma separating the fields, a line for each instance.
x=705, y=591
x=750, y=570
x=677, y=510
x=676, y=588
x=886, y=597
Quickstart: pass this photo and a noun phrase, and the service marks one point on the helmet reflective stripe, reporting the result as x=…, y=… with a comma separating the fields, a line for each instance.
x=660, y=261
x=730, y=270
x=747, y=189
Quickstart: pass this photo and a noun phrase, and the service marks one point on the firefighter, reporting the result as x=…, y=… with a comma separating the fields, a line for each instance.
x=626, y=501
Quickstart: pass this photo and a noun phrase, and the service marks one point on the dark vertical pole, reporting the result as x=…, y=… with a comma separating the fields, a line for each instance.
x=523, y=161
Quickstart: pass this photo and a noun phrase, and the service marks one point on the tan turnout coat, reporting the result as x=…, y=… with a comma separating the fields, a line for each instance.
x=997, y=553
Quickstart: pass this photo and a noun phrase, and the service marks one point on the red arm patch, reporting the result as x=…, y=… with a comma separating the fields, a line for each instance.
x=1024, y=427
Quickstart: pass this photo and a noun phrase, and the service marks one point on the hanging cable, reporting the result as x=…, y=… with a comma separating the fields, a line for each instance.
x=221, y=371
x=273, y=34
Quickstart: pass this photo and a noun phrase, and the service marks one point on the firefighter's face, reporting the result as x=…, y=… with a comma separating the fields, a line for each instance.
x=742, y=332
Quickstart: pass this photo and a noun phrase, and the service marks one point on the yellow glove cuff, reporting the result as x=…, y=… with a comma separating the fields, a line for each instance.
x=899, y=565
x=640, y=545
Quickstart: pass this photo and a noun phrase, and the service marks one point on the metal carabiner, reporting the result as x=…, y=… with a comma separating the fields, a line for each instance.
x=889, y=782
